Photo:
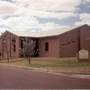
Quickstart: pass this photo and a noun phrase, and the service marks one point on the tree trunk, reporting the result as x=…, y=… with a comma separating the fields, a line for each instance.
x=29, y=60
x=8, y=59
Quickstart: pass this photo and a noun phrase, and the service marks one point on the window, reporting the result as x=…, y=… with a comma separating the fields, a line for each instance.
x=21, y=45
x=46, y=46
x=14, y=44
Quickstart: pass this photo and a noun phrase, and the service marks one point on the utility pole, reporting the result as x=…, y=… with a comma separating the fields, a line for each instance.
x=79, y=42
x=10, y=45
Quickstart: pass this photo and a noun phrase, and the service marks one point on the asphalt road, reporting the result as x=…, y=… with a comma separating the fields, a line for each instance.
x=17, y=78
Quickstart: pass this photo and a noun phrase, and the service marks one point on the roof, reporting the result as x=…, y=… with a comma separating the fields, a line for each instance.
x=66, y=31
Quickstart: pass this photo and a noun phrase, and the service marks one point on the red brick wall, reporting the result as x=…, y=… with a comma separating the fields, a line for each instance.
x=64, y=45
x=69, y=44
x=85, y=38
x=53, y=50
x=7, y=45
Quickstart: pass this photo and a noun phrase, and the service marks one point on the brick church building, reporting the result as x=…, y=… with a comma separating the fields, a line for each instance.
x=66, y=44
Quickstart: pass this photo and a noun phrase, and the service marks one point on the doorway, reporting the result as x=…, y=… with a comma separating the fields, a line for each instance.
x=36, y=48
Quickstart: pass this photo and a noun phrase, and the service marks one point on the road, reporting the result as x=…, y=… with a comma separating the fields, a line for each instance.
x=17, y=78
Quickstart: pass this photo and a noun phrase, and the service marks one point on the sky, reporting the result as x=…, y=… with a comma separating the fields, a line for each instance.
x=43, y=17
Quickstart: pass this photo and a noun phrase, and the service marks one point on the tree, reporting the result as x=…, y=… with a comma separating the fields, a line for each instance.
x=29, y=49
x=5, y=48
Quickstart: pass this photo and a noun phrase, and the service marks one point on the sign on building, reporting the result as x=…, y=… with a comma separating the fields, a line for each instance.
x=83, y=55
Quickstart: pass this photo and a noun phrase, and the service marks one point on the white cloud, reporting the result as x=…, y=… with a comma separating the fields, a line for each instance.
x=2, y=22
x=88, y=0
x=28, y=19
x=7, y=8
x=27, y=11
x=40, y=13
x=22, y=23
x=3, y=26
x=53, y=29
x=84, y=19
x=65, y=5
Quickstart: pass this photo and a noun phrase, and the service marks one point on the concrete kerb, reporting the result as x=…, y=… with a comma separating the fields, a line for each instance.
x=27, y=68
x=48, y=71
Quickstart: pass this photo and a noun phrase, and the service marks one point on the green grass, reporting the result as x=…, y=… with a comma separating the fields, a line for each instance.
x=68, y=65
x=52, y=63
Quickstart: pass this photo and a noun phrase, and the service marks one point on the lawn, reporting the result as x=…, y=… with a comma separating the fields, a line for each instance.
x=45, y=62
x=56, y=64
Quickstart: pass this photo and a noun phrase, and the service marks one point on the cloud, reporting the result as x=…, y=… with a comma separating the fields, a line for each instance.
x=88, y=0
x=44, y=14
x=28, y=20
x=28, y=24
x=25, y=16
x=41, y=30
x=22, y=23
x=84, y=7
x=3, y=26
x=7, y=8
x=84, y=19
x=54, y=5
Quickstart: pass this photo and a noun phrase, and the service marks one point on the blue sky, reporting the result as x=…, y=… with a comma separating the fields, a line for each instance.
x=43, y=17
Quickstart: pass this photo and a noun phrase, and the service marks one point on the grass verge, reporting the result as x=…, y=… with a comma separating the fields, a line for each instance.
x=57, y=65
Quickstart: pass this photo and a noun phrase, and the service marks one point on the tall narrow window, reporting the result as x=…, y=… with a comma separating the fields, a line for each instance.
x=14, y=45
x=46, y=46
x=21, y=44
